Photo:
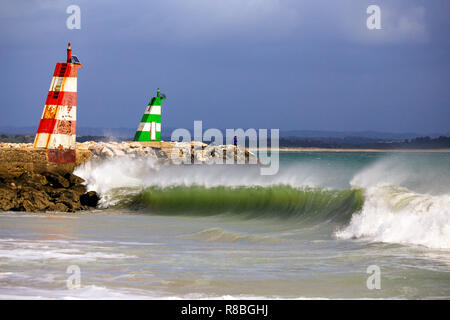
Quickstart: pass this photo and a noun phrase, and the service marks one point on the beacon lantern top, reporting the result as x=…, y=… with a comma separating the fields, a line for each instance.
x=70, y=57
x=69, y=53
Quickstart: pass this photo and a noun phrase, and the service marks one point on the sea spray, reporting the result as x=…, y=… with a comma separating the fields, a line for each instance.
x=397, y=215
x=418, y=172
x=407, y=200
x=122, y=172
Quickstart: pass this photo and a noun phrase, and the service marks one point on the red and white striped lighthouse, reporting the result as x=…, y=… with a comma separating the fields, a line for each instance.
x=57, y=129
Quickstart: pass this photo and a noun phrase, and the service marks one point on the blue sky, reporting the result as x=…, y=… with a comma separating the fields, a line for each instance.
x=288, y=64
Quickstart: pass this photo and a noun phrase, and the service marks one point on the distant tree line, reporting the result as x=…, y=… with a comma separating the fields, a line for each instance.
x=366, y=143
x=16, y=138
x=102, y=139
x=292, y=142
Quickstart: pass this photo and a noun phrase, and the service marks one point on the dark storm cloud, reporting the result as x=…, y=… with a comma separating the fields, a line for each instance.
x=251, y=63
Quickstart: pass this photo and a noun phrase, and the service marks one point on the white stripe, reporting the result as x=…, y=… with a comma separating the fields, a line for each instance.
x=70, y=84
x=41, y=140
x=64, y=140
x=153, y=110
x=60, y=112
x=67, y=84
x=66, y=113
x=145, y=126
x=153, y=131
x=56, y=84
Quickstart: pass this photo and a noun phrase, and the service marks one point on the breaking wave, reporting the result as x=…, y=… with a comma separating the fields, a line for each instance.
x=394, y=213
x=398, y=215
x=392, y=200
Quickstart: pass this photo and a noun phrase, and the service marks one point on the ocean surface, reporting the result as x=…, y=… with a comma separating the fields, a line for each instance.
x=311, y=231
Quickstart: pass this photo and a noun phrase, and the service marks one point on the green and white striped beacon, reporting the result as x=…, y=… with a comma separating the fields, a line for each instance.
x=150, y=127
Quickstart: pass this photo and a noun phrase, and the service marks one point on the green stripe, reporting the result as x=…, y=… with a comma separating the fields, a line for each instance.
x=145, y=136
x=151, y=117
x=155, y=102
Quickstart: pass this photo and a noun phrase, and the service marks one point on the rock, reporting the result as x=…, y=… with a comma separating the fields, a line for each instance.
x=70, y=199
x=34, y=192
x=106, y=153
x=57, y=180
x=118, y=152
x=134, y=144
x=40, y=200
x=73, y=179
x=28, y=206
x=90, y=199
x=60, y=207
x=79, y=189
x=7, y=199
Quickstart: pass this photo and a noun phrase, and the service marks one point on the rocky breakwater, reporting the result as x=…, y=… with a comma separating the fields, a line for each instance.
x=171, y=152
x=29, y=182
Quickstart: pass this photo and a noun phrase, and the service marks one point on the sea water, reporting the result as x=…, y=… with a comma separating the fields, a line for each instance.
x=314, y=230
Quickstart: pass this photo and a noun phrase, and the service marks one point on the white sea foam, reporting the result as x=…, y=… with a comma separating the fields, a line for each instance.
x=393, y=213
x=91, y=292
x=59, y=254
x=94, y=292
x=397, y=215
x=134, y=174
x=22, y=250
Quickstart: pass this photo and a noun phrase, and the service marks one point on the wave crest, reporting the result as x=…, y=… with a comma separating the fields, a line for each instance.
x=397, y=215
x=282, y=202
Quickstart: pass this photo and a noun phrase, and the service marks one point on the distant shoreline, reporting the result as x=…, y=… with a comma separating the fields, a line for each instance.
x=296, y=149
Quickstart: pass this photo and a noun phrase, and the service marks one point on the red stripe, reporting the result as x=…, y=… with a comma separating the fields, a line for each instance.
x=46, y=126
x=62, y=155
x=66, y=69
x=61, y=98
x=54, y=126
